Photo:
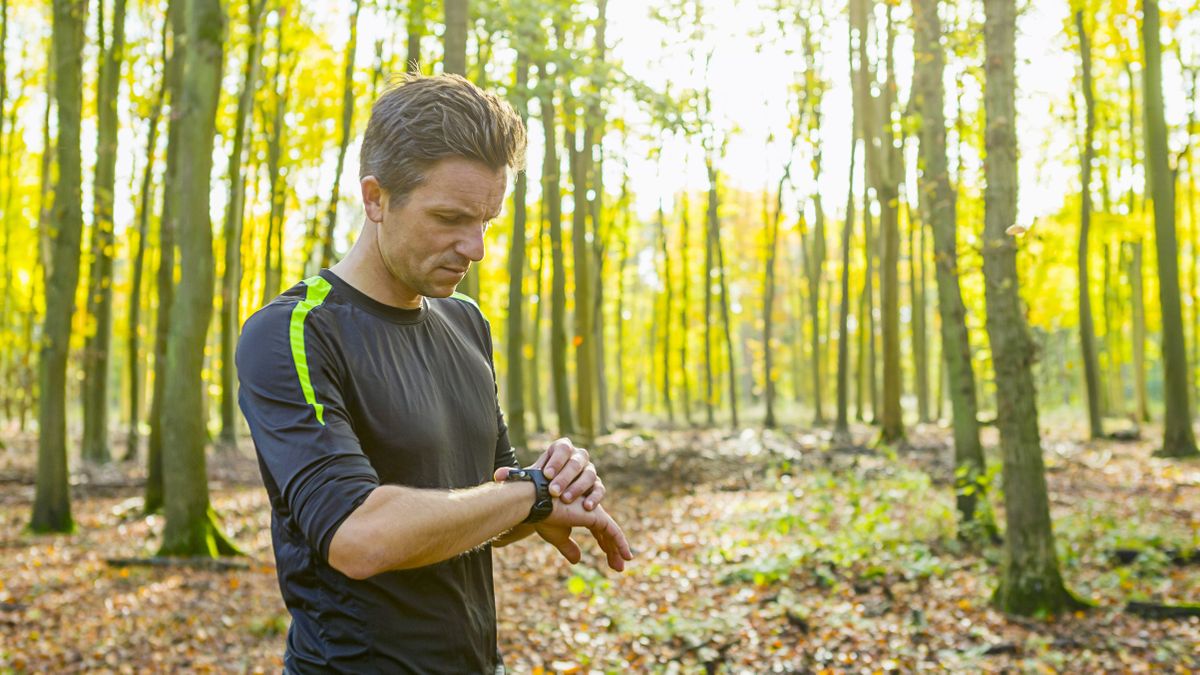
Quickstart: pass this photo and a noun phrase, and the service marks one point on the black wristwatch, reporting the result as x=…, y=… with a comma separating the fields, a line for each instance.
x=542, y=502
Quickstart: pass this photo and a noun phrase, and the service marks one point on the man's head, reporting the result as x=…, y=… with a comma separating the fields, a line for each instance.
x=434, y=169
x=421, y=120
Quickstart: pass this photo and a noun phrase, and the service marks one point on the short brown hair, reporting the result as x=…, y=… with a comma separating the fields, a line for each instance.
x=420, y=120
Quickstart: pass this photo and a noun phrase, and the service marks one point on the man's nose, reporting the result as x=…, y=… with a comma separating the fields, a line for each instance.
x=471, y=245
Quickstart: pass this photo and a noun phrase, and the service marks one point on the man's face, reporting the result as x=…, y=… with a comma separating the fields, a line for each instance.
x=428, y=239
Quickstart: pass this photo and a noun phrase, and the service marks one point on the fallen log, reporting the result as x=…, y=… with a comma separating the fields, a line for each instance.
x=1154, y=610
x=159, y=561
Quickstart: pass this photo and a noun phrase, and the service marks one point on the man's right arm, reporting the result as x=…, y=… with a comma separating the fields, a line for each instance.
x=399, y=527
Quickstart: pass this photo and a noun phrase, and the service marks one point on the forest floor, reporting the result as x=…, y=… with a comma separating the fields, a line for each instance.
x=756, y=552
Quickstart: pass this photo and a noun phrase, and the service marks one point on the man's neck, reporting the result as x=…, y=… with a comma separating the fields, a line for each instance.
x=363, y=269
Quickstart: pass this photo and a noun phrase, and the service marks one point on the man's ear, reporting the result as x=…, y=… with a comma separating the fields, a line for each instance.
x=374, y=198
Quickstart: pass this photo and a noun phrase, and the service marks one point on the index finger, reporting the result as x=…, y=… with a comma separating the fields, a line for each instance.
x=556, y=456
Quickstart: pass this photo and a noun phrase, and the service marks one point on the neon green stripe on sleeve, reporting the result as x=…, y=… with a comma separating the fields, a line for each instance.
x=318, y=288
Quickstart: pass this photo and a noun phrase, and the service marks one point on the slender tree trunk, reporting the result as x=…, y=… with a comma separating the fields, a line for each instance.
x=841, y=428
x=1087, y=334
x=52, y=499
x=684, y=308
x=583, y=340
x=886, y=172
x=772, y=226
x=457, y=19
x=99, y=336
x=916, y=242
x=190, y=528
x=1030, y=580
x=938, y=200
x=231, y=282
x=277, y=184
x=176, y=18
x=732, y=371
x=558, y=285
x=710, y=224
x=1178, y=439
x=134, y=349
x=515, y=340
x=327, y=247
x=1139, y=330
x=668, y=299
x=416, y=30
x=535, y=334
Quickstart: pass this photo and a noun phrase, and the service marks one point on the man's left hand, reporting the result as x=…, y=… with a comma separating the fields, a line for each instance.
x=572, y=474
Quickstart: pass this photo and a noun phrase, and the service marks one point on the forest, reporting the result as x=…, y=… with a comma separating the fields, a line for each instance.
x=880, y=319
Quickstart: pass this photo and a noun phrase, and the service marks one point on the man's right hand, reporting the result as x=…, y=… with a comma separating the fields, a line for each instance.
x=556, y=529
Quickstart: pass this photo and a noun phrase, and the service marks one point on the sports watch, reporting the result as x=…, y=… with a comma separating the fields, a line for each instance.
x=543, y=504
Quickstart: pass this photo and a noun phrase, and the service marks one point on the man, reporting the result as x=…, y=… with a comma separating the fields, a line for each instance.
x=371, y=397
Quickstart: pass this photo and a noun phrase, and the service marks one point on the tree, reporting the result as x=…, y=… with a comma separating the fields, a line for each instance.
x=1030, y=580
x=515, y=340
x=52, y=499
x=938, y=201
x=1087, y=335
x=584, y=338
x=416, y=30
x=552, y=191
x=191, y=527
x=1178, y=439
x=145, y=205
x=771, y=223
x=231, y=281
x=99, y=303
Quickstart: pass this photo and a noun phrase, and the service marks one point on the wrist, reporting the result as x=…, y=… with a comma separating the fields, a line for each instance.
x=542, y=503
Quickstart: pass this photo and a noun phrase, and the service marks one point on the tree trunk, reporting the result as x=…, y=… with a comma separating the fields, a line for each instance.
x=916, y=270
x=134, y=349
x=1178, y=439
x=457, y=18
x=535, y=333
x=52, y=498
x=1139, y=331
x=938, y=201
x=732, y=371
x=710, y=224
x=327, y=246
x=99, y=334
x=416, y=30
x=668, y=298
x=684, y=307
x=277, y=184
x=1087, y=333
x=886, y=172
x=515, y=340
x=190, y=528
x=841, y=428
x=231, y=282
x=1030, y=580
x=177, y=18
x=558, y=284
x=772, y=226
x=583, y=340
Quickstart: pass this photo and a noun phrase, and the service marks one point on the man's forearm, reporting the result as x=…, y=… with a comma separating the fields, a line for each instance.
x=401, y=527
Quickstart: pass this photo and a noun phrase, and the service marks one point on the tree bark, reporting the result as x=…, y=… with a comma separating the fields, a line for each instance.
x=668, y=299
x=515, y=340
x=190, y=528
x=1087, y=334
x=558, y=285
x=1178, y=439
x=772, y=226
x=416, y=30
x=98, y=337
x=133, y=436
x=938, y=200
x=52, y=498
x=583, y=340
x=1030, y=580
x=231, y=281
